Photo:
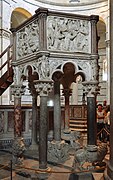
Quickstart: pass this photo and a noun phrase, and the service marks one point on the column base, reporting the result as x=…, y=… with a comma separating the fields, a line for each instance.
x=73, y=140
x=58, y=151
x=41, y=174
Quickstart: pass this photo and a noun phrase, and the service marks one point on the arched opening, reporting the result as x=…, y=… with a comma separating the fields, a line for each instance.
x=19, y=15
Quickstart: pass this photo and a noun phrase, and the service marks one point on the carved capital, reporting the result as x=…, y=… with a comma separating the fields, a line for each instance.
x=43, y=87
x=91, y=88
x=18, y=90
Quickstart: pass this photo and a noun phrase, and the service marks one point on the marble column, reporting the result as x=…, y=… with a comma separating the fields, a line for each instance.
x=91, y=121
x=18, y=146
x=91, y=90
x=110, y=163
x=43, y=88
x=43, y=132
x=67, y=93
x=57, y=112
x=34, y=144
x=17, y=91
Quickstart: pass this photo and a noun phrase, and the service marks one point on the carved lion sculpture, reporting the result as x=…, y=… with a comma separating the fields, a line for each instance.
x=84, y=155
x=18, y=149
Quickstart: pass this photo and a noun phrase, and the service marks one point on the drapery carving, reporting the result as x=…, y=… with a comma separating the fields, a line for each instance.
x=28, y=39
x=68, y=34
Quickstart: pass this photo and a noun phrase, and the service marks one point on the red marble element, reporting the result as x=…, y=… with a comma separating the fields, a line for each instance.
x=18, y=121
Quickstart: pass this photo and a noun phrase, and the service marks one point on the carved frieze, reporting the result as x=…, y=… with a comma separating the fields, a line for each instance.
x=64, y=34
x=27, y=39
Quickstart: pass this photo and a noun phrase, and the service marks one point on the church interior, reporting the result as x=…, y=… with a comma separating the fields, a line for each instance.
x=56, y=82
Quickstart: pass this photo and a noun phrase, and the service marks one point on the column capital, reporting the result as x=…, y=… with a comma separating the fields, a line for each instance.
x=43, y=87
x=18, y=90
x=91, y=88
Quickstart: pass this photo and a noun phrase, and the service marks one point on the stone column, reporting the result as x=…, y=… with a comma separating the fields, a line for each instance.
x=34, y=122
x=57, y=112
x=110, y=164
x=43, y=132
x=18, y=145
x=91, y=90
x=94, y=41
x=67, y=93
x=43, y=88
x=91, y=120
x=17, y=91
x=34, y=145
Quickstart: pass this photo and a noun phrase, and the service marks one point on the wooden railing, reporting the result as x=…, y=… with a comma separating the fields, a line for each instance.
x=8, y=53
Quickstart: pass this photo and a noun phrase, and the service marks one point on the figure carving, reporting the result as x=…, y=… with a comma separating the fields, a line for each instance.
x=67, y=34
x=95, y=69
x=43, y=67
x=28, y=40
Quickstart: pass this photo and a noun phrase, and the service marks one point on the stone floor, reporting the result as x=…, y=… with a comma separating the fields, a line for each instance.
x=56, y=171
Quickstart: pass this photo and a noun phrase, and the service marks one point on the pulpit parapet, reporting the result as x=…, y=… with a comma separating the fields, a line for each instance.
x=54, y=32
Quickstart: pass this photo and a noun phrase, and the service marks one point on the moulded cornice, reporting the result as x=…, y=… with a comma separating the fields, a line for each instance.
x=71, y=4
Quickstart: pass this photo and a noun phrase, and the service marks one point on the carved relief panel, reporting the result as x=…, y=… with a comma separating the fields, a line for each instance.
x=64, y=34
x=27, y=40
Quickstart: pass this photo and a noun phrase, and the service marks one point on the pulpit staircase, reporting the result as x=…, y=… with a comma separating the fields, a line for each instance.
x=6, y=70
